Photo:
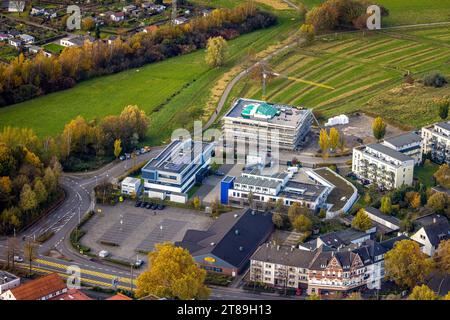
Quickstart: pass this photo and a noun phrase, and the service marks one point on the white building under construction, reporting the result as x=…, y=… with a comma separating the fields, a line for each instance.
x=255, y=121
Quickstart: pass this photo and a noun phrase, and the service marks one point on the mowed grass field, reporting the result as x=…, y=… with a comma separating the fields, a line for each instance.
x=405, y=12
x=359, y=68
x=172, y=92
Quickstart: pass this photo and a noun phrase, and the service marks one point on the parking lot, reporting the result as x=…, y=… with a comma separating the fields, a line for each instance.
x=126, y=231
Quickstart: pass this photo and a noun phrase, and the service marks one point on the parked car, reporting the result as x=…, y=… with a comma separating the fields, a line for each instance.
x=144, y=204
x=160, y=206
x=128, y=155
x=154, y=206
x=143, y=150
x=18, y=259
x=138, y=204
x=219, y=173
x=122, y=158
x=149, y=205
x=138, y=263
x=103, y=254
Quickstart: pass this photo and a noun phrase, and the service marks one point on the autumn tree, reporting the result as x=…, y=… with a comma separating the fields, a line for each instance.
x=437, y=202
x=117, y=147
x=361, y=221
x=307, y=33
x=296, y=210
x=386, y=205
x=322, y=17
x=406, y=264
x=40, y=191
x=173, y=274
x=324, y=142
x=278, y=220
x=196, y=202
x=30, y=252
x=302, y=223
x=216, y=50
x=422, y=292
x=378, y=128
x=442, y=257
x=28, y=199
x=442, y=176
x=334, y=137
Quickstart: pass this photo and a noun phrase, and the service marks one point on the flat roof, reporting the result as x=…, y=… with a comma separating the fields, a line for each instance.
x=6, y=277
x=131, y=180
x=390, y=152
x=287, y=115
x=404, y=139
x=258, y=182
x=172, y=159
x=343, y=190
x=302, y=190
x=444, y=125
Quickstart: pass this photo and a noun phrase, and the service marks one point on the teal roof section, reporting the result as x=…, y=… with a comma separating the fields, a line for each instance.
x=264, y=110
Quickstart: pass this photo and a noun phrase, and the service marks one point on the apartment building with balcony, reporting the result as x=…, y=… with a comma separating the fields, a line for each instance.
x=320, y=271
x=256, y=122
x=436, y=142
x=383, y=166
x=409, y=143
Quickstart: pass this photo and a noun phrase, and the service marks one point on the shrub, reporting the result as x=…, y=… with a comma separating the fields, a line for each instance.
x=434, y=79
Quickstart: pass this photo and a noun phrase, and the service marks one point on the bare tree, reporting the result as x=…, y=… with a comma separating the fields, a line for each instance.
x=30, y=250
x=12, y=248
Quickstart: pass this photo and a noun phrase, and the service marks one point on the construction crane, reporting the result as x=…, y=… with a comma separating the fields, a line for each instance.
x=174, y=11
x=266, y=73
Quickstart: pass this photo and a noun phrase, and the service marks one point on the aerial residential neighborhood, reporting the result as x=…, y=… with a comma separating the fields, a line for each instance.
x=241, y=150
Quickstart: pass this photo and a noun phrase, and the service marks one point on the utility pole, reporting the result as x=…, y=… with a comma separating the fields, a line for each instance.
x=131, y=277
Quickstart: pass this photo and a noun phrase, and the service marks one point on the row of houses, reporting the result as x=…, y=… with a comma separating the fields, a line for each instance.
x=49, y=287
x=339, y=261
x=390, y=164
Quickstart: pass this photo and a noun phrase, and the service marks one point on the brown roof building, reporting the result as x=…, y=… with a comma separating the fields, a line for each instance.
x=44, y=288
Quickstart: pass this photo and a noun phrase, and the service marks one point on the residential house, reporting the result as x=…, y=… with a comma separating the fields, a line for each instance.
x=117, y=16
x=14, y=5
x=75, y=41
x=4, y=36
x=336, y=240
x=27, y=38
x=226, y=247
x=436, y=142
x=180, y=20
x=43, y=288
x=72, y=295
x=128, y=9
x=33, y=49
x=321, y=270
x=8, y=281
x=17, y=43
x=385, y=167
x=433, y=229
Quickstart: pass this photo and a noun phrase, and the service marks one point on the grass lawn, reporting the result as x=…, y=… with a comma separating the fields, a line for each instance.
x=54, y=48
x=404, y=12
x=172, y=92
x=425, y=173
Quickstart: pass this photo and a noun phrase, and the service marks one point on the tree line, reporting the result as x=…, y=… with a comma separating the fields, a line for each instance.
x=30, y=167
x=25, y=79
x=28, y=178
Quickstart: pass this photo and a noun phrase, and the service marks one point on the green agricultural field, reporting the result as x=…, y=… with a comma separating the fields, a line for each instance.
x=172, y=92
x=405, y=12
x=359, y=67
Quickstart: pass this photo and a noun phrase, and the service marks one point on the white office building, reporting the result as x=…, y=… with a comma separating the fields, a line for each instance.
x=176, y=169
x=131, y=186
x=409, y=144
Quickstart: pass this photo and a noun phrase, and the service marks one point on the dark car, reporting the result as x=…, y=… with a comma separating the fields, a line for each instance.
x=219, y=173
x=138, y=204
x=144, y=204
x=160, y=206
x=149, y=205
x=154, y=206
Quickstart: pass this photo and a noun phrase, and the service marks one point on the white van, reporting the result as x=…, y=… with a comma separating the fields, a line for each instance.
x=103, y=254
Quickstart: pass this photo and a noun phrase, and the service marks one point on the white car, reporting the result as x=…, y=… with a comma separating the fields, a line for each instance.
x=18, y=259
x=103, y=254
